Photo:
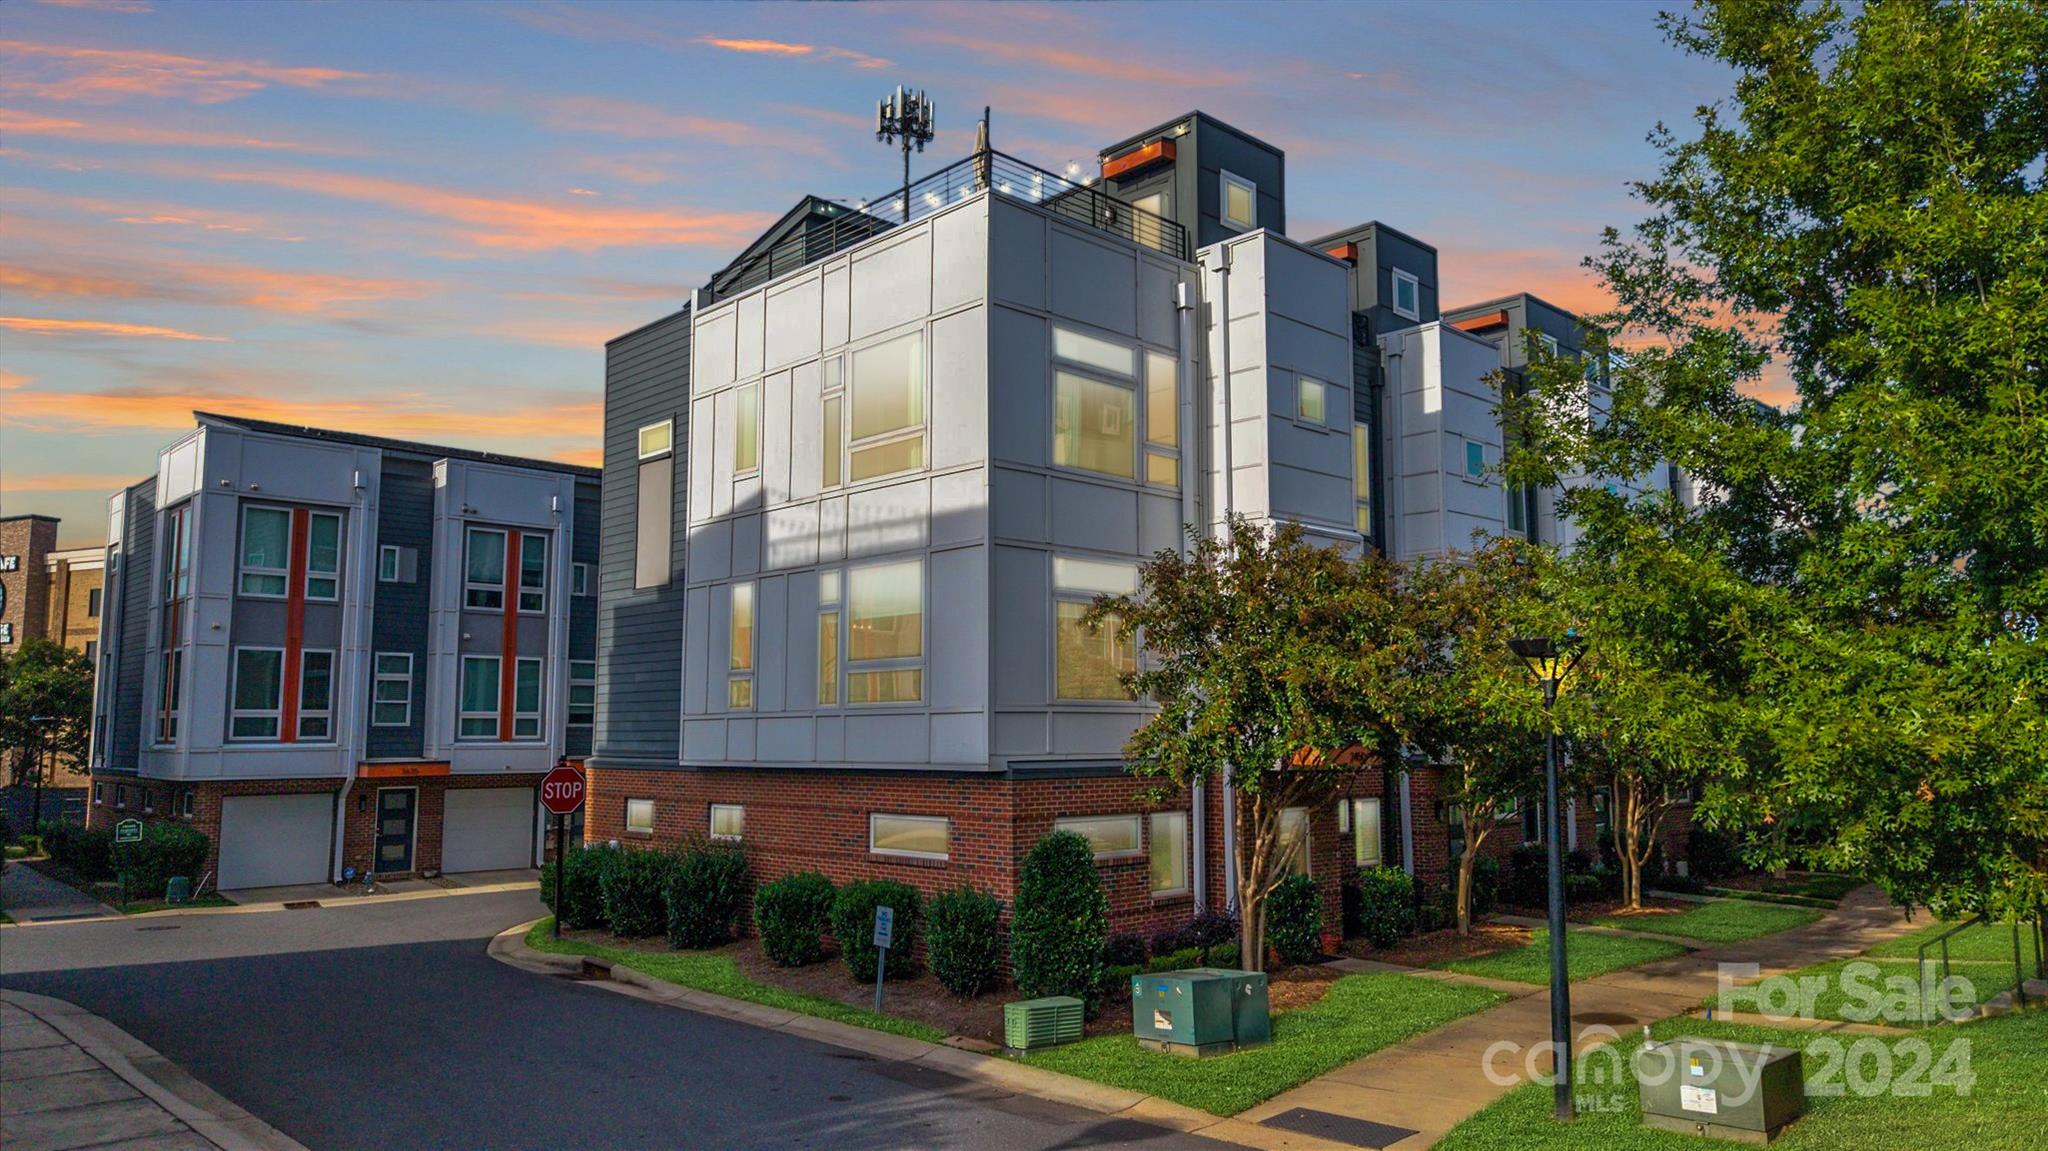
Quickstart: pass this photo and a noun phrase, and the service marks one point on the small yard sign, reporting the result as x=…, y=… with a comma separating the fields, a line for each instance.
x=885, y=933
x=128, y=831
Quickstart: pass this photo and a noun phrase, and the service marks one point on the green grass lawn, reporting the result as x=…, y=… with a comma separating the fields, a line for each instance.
x=1360, y=1015
x=2006, y=1106
x=1723, y=921
x=209, y=899
x=720, y=975
x=1875, y=995
x=1587, y=954
x=1989, y=942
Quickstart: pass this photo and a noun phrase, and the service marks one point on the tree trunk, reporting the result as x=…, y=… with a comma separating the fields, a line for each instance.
x=1468, y=863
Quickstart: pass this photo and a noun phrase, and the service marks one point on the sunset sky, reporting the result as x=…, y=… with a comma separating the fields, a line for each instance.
x=424, y=220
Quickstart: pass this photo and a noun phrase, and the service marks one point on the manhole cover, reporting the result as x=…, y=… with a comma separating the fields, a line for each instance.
x=1604, y=1018
x=301, y=904
x=1340, y=1128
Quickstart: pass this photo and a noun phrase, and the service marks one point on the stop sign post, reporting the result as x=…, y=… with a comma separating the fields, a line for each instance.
x=561, y=792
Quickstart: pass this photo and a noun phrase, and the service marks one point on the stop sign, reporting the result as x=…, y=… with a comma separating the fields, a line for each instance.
x=561, y=791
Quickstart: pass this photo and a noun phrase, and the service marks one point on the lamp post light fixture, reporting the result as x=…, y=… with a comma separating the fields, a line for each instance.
x=1550, y=661
x=905, y=116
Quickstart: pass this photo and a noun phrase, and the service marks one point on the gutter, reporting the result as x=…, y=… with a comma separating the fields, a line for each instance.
x=1190, y=518
x=1229, y=510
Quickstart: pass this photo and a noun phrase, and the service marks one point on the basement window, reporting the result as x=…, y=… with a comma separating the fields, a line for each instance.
x=640, y=816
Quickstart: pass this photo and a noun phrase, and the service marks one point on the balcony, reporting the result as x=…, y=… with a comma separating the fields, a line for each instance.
x=817, y=229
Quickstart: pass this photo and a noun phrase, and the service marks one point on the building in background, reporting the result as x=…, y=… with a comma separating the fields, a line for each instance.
x=333, y=651
x=48, y=594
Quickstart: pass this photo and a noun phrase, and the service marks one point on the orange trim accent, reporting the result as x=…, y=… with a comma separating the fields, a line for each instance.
x=401, y=770
x=294, y=625
x=1158, y=151
x=1482, y=322
x=508, y=655
x=1344, y=251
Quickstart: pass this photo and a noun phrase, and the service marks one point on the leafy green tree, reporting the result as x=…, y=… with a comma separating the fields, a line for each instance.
x=1863, y=215
x=52, y=683
x=1276, y=668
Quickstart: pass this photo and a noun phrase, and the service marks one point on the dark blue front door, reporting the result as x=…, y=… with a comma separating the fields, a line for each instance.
x=394, y=828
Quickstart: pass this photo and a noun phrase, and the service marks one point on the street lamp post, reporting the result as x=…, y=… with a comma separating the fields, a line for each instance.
x=1550, y=661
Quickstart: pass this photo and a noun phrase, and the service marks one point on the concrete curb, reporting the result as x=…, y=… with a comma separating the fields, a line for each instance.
x=338, y=900
x=163, y=1082
x=978, y=1070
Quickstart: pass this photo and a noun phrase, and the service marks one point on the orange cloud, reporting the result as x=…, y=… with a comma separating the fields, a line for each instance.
x=11, y=380
x=784, y=48
x=1120, y=67
x=31, y=124
x=47, y=327
x=132, y=7
x=299, y=293
x=102, y=75
x=519, y=225
x=67, y=482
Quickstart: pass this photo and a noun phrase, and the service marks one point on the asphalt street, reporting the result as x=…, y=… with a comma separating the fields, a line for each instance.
x=388, y=1027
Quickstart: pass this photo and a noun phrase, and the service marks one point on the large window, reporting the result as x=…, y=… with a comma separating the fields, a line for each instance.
x=1169, y=852
x=885, y=633
x=483, y=572
x=1162, y=420
x=258, y=693
x=526, y=696
x=1407, y=295
x=887, y=408
x=479, y=715
x=582, y=693
x=391, y=699
x=727, y=821
x=316, y=695
x=1096, y=408
x=654, y=509
x=739, y=680
x=1358, y=821
x=1361, y=474
x=917, y=836
x=1239, y=206
x=1089, y=663
x=533, y=573
x=1106, y=834
x=1294, y=845
x=266, y=551
x=1094, y=424
x=828, y=637
x=323, y=556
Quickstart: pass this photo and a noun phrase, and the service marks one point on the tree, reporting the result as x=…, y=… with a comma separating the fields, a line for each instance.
x=1864, y=214
x=51, y=682
x=1275, y=665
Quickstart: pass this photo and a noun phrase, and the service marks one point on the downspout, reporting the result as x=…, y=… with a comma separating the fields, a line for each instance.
x=1229, y=510
x=1390, y=437
x=1407, y=825
x=1190, y=518
x=351, y=715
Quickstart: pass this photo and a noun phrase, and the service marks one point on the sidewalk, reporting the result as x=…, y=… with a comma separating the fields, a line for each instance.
x=1414, y=1093
x=29, y=896
x=71, y=1080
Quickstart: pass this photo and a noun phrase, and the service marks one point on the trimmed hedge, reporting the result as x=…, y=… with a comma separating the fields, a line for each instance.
x=853, y=925
x=165, y=851
x=705, y=894
x=582, y=886
x=966, y=942
x=1386, y=905
x=1123, y=950
x=87, y=851
x=1294, y=920
x=1061, y=921
x=632, y=888
x=792, y=914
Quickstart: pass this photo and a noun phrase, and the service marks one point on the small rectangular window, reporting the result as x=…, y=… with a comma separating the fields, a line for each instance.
x=1094, y=352
x=582, y=692
x=316, y=695
x=99, y=792
x=533, y=573
x=1549, y=343
x=1162, y=420
x=391, y=697
x=1240, y=202
x=92, y=603
x=266, y=551
x=1359, y=819
x=657, y=439
x=387, y=563
x=258, y=693
x=323, y=556
x=1106, y=834
x=1361, y=474
x=916, y=836
x=640, y=816
x=1169, y=852
x=746, y=429
x=526, y=695
x=653, y=523
x=120, y=795
x=579, y=579
x=1308, y=400
x=1407, y=295
x=1294, y=840
x=148, y=799
x=484, y=570
x=728, y=821
x=740, y=636
x=185, y=803
x=171, y=691
x=835, y=442
x=1475, y=460
x=828, y=658
x=478, y=718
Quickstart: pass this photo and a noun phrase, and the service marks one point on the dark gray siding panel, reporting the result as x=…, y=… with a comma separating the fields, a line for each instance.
x=405, y=518
x=138, y=579
x=585, y=548
x=640, y=632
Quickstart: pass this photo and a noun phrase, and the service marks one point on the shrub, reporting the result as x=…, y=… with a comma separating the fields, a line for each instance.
x=1386, y=905
x=705, y=894
x=853, y=925
x=792, y=914
x=87, y=851
x=1581, y=888
x=1061, y=920
x=1124, y=949
x=631, y=888
x=165, y=850
x=1221, y=955
x=1436, y=906
x=1578, y=861
x=1116, y=980
x=965, y=941
x=1712, y=854
x=1294, y=919
x=1610, y=882
x=1528, y=880
x=1180, y=960
x=582, y=886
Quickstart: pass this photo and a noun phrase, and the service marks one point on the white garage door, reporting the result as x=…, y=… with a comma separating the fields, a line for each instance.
x=267, y=840
x=487, y=828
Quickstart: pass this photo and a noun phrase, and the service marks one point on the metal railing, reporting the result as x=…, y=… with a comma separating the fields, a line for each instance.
x=2036, y=935
x=1067, y=197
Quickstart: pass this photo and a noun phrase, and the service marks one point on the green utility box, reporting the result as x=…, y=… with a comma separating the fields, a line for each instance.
x=1200, y=1011
x=1720, y=1090
x=1031, y=1024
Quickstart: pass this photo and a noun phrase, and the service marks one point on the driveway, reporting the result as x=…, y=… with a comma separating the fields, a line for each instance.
x=386, y=1025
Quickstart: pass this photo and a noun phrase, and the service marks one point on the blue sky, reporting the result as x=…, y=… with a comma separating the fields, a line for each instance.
x=424, y=219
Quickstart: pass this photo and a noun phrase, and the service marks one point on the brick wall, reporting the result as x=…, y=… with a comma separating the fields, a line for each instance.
x=359, y=822
x=103, y=807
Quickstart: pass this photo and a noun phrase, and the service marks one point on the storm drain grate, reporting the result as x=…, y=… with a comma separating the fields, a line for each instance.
x=1341, y=1128
x=301, y=904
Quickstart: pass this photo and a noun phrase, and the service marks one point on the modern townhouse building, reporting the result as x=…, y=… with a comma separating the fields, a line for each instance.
x=860, y=490
x=333, y=651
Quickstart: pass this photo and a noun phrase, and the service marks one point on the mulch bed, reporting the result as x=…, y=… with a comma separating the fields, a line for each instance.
x=1443, y=946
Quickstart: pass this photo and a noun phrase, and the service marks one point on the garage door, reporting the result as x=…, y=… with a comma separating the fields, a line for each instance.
x=487, y=828
x=267, y=840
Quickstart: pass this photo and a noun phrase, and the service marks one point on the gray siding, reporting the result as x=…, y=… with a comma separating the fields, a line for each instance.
x=138, y=567
x=640, y=632
x=584, y=548
x=405, y=518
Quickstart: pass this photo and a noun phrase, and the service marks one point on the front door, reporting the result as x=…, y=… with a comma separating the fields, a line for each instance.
x=395, y=808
